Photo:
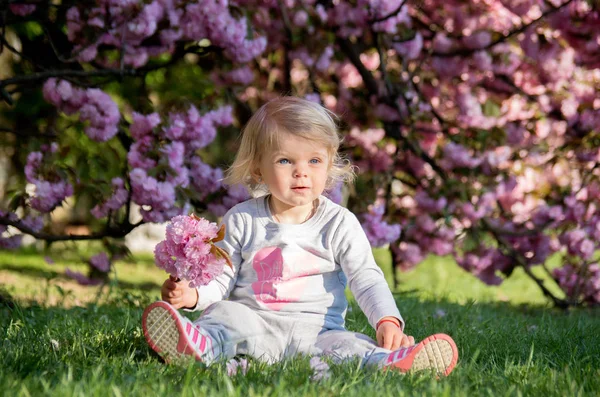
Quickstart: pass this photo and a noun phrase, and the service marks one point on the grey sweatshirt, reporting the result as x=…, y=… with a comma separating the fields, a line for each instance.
x=300, y=270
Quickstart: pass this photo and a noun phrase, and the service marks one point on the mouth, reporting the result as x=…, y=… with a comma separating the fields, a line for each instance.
x=300, y=188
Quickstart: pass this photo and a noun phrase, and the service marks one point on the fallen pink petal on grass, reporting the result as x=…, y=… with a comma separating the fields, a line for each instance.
x=233, y=366
x=320, y=369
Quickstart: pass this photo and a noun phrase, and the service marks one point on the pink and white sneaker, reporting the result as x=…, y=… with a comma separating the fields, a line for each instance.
x=173, y=336
x=436, y=352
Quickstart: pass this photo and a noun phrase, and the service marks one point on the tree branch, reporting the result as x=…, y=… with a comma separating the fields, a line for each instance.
x=390, y=15
x=34, y=77
x=469, y=51
x=367, y=77
x=118, y=231
x=563, y=304
x=391, y=129
x=287, y=63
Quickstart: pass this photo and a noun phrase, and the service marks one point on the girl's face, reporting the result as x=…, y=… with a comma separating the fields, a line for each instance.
x=296, y=173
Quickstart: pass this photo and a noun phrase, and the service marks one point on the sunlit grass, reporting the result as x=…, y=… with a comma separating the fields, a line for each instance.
x=88, y=342
x=29, y=275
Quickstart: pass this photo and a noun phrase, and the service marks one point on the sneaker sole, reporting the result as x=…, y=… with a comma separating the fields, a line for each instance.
x=437, y=352
x=165, y=334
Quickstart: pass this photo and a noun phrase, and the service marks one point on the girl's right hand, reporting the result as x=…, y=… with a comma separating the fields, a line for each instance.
x=179, y=294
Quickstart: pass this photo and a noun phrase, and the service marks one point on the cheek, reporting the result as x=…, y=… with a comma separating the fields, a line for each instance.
x=323, y=176
x=278, y=176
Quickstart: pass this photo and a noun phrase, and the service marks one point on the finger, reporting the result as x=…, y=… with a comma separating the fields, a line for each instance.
x=397, y=342
x=177, y=304
x=404, y=342
x=170, y=284
x=380, y=339
x=411, y=340
x=387, y=340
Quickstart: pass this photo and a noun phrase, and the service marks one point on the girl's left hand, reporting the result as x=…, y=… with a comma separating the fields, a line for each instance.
x=391, y=337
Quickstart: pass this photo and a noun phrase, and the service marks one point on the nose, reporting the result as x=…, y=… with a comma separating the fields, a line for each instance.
x=300, y=171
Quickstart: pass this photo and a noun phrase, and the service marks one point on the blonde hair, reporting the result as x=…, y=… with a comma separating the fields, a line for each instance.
x=295, y=116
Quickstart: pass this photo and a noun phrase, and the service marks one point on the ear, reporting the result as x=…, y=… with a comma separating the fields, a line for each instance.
x=256, y=175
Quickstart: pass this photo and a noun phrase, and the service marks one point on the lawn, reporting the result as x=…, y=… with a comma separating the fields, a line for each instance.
x=60, y=339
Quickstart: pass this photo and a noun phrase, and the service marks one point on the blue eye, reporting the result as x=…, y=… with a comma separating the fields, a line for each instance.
x=315, y=161
x=283, y=161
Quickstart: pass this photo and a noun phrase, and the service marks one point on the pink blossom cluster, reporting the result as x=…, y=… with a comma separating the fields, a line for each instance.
x=101, y=262
x=96, y=108
x=116, y=201
x=157, y=198
x=578, y=283
x=492, y=146
x=335, y=193
x=427, y=228
x=194, y=130
x=7, y=241
x=410, y=49
x=187, y=252
x=535, y=249
x=243, y=76
x=407, y=255
x=374, y=158
x=584, y=35
x=50, y=189
x=354, y=20
x=471, y=213
x=82, y=279
x=172, y=148
x=35, y=223
x=458, y=156
x=498, y=148
x=204, y=179
x=235, y=194
x=100, y=265
x=141, y=30
x=485, y=263
x=423, y=234
x=22, y=10
x=578, y=243
x=11, y=241
x=431, y=236
x=143, y=125
x=378, y=231
x=429, y=204
x=313, y=97
x=471, y=113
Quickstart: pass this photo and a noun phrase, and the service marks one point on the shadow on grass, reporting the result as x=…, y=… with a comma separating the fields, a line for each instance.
x=49, y=274
x=487, y=334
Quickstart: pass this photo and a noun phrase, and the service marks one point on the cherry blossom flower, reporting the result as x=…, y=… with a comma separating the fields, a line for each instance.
x=188, y=251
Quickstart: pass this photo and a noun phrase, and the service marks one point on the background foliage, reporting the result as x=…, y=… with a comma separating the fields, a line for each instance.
x=474, y=124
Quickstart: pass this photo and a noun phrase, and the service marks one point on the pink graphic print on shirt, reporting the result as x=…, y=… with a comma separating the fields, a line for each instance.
x=281, y=281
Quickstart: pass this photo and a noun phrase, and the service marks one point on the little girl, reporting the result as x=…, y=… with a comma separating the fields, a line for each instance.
x=293, y=253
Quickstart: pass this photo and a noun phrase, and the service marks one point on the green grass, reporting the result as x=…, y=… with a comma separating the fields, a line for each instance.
x=88, y=342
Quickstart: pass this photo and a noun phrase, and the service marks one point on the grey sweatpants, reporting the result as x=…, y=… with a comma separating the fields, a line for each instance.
x=235, y=329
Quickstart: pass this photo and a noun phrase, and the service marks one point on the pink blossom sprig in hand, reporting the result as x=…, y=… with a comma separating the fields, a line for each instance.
x=188, y=252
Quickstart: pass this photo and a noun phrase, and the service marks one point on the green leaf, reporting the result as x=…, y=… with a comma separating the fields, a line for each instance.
x=491, y=109
x=16, y=201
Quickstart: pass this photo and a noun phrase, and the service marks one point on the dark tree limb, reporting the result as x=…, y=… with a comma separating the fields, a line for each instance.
x=287, y=62
x=390, y=15
x=118, y=231
x=470, y=51
x=561, y=303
